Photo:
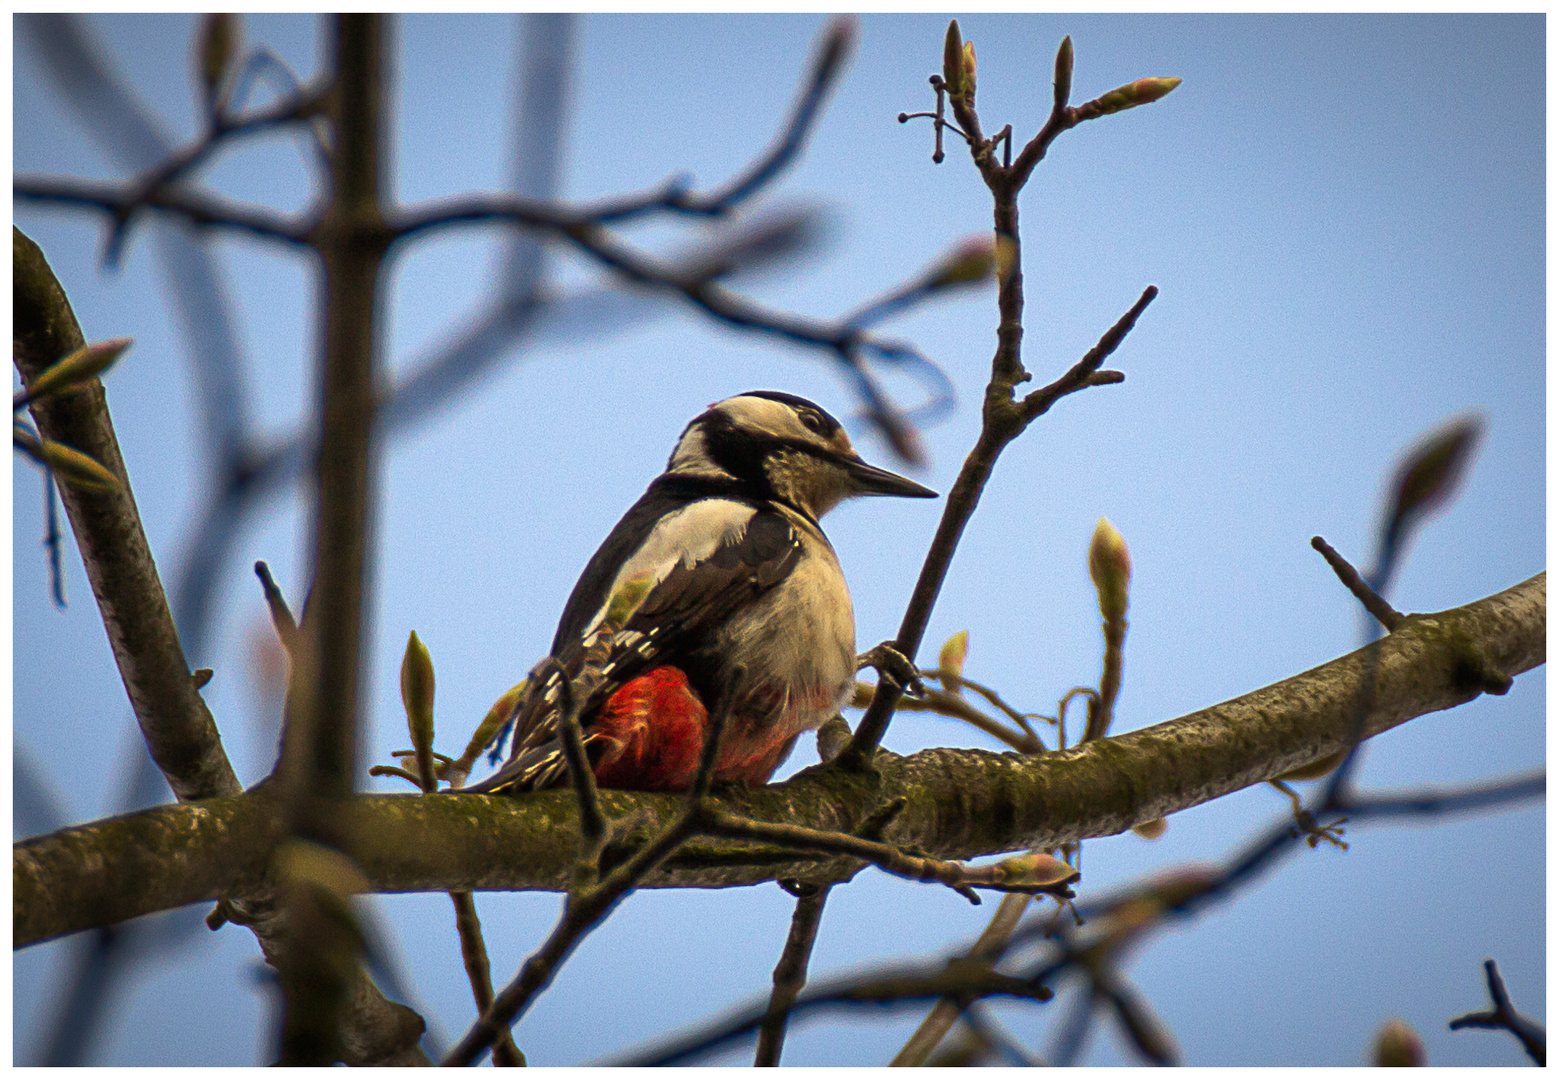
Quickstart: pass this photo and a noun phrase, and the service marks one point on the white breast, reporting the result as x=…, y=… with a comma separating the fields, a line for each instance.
x=798, y=640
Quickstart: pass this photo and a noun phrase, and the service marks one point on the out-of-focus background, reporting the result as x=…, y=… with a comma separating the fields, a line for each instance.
x=1345, y=216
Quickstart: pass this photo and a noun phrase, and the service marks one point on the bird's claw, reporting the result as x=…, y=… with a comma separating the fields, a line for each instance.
x=894, y=666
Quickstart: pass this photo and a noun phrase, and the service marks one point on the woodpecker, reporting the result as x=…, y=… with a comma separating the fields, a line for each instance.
x=718, y=581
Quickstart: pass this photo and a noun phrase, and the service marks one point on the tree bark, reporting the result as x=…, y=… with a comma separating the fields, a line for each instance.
x=959, y=803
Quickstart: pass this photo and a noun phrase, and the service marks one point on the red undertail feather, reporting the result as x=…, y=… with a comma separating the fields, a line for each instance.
x=653, y=729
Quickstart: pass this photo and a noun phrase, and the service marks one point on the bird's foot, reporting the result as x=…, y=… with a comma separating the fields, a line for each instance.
x=894, y=666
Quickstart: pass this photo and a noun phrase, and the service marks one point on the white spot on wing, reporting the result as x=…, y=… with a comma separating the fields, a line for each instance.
x=687, y=536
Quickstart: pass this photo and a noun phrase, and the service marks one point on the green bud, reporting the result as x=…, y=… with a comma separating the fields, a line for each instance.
x=1036, y=870
x=72, y=466
x=1109, y=564
x=417, y=693
x=953, y=60
x=76, y=368
x=970, y=263
x=1396, y=1043
x=1141, y=92
x=954, y=652
x=1064, y=71
x=969, y=66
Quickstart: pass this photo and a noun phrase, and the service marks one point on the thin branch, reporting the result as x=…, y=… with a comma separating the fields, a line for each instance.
x=1084, y=373
x=119, y=201
x=944, y=703
x=474, y=952
x=790, y=974
x=1534, y=1039
x=317, y=771
x=716, y=821
x=1384, y=613
x=900, y=987
x=991, y=943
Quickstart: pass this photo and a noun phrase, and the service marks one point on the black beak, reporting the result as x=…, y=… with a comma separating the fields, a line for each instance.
x=870, y=480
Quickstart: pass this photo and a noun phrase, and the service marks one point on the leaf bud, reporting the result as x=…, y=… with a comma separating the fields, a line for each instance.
x=970, y=263
x=953, y=60
x=74, y=369
x=1064, y=72
x=1396, y=1043
x=1141, y=92
x=417, y=692
x=951, y=659
x=1036, y=870
x=75, y=468
x=1430, y=473
x=1109, y=564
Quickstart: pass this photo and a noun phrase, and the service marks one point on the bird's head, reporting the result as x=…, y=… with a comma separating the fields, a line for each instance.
x=785, y=447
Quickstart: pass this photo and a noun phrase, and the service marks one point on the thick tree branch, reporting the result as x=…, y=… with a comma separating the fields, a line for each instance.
x=959, y=803
x=179, y=730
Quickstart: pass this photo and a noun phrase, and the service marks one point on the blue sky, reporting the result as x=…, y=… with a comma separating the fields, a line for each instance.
x=1345, y=217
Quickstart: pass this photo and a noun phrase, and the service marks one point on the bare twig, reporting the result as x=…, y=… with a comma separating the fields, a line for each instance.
x=790, y=974
x=1384, y=613
x=474, y=952
x=904, y=986
x=1004, y=418
x=1534, y=1039
x=198, y=208
x=1002, y=877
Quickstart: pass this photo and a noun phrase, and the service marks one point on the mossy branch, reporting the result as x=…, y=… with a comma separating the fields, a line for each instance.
x=959, y=804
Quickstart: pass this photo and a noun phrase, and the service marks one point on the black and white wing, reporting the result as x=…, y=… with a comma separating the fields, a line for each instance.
x=696, y=566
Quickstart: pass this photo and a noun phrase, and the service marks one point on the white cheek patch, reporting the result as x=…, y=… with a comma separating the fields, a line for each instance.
x=687, y=536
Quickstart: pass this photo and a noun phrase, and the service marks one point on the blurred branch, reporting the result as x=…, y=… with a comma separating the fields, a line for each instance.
x=120, y=201
x=1534, y=1039
x=1005, y=803
x=317, y=770
x=902, y=986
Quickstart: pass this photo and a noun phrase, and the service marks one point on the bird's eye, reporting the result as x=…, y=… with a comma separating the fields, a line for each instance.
x=812, y=421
